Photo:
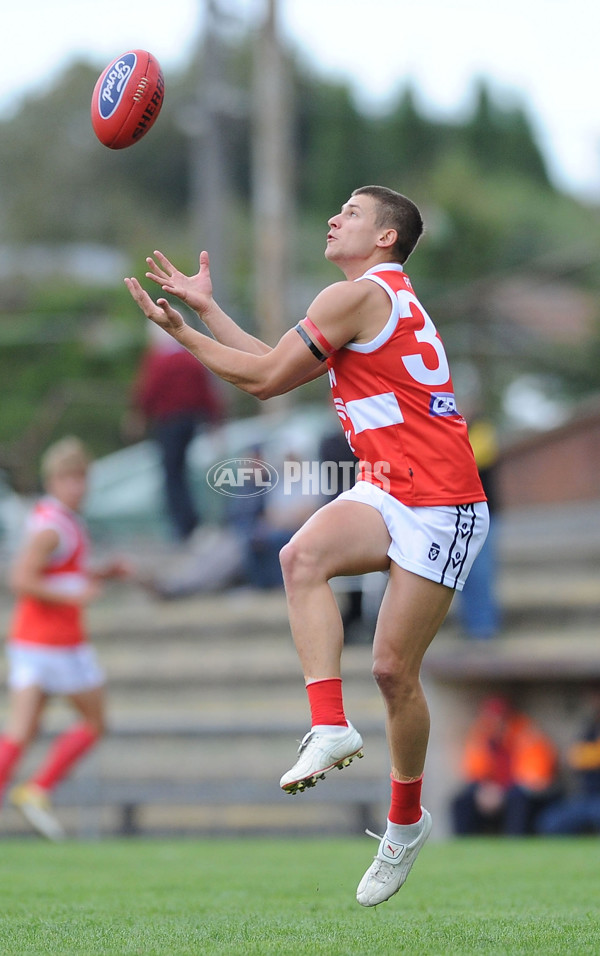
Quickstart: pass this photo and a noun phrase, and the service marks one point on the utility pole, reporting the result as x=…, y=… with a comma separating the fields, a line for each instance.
x=208, y=180
x=272, y=179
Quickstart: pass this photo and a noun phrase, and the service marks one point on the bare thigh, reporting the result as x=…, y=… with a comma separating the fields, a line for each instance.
x=26, y=705
x=342, y=538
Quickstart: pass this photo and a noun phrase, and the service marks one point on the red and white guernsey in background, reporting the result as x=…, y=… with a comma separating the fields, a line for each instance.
x=395, y=399
x=44, y=622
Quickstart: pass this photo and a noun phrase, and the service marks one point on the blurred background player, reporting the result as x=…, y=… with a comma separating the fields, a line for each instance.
x=48, y=651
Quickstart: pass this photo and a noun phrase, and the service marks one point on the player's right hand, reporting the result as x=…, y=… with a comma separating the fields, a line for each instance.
x=195, y=291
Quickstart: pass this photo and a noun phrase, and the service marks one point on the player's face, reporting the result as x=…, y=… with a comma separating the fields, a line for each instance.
x=352, y=232
x=69, y=487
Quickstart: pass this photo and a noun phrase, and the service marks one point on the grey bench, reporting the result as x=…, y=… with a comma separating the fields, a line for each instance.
x=129, y=795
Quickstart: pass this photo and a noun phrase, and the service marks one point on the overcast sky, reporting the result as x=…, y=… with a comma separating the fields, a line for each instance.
x=542, y=52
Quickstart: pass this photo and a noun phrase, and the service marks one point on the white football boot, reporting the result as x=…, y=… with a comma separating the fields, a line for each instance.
x=391, y=866
x=34, y=804
x=318, y=753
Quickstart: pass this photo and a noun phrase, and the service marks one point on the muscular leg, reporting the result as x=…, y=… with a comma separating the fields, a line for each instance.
x=343, y=537
x=411, y=613
x=348, y=537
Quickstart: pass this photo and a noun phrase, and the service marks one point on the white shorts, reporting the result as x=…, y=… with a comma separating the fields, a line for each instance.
x=57, y=670
x=438, y=543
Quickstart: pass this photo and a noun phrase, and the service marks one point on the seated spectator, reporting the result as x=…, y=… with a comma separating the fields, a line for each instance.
x=285, y=510
x=510, y=768
x=244, y=550
x=580, y=811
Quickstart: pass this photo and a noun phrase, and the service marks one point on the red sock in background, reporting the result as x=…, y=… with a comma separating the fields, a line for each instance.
x=405, y=806
x=10, y=752
x=66, y=751
x=325, y=699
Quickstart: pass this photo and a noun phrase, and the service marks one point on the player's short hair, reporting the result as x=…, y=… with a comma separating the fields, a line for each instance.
x=65, y=456
x=398, y=212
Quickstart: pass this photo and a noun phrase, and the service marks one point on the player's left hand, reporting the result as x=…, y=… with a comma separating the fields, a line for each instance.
x=160, y=312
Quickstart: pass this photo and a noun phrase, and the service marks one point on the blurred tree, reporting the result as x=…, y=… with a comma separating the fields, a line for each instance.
x=502, y=138
x=331, y=144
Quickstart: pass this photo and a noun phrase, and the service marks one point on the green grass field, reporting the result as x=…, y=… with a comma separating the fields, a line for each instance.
x=257, y=896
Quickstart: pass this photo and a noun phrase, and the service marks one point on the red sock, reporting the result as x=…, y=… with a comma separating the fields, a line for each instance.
x=405, y=806
x=65, y=752
x=10, y=751
x=325, y=699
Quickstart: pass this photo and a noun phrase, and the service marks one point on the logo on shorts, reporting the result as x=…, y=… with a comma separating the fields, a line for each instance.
x=434, y=551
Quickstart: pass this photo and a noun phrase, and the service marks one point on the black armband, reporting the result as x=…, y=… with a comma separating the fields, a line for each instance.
x=316, y=351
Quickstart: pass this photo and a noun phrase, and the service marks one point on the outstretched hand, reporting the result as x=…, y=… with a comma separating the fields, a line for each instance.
x=195, y=291
x=160, y=312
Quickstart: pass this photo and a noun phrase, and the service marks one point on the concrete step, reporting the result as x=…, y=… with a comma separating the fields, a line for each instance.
x=561, y=536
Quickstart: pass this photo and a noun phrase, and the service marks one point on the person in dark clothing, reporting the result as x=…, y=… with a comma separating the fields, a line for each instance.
x=579, y=813
x=479, y=605
x=176, y=396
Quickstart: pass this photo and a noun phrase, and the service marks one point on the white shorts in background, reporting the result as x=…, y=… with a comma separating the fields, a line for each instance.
x=439, y=543
x=57, y=670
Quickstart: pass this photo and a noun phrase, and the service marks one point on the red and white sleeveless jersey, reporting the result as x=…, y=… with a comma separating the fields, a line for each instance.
x=395, y=399
x=55, y=623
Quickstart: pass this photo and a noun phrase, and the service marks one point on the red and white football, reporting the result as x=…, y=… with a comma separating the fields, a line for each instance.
x=127, y=99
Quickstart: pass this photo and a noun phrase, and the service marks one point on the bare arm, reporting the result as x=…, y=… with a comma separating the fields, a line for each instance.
x=117, y=568
x=196, y=292
x=273, y=372
x=27, y=574
x=339, y=312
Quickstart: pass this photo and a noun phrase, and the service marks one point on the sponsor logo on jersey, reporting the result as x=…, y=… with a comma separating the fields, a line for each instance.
x=443, y=405
x=114, y=83
x=434, y=551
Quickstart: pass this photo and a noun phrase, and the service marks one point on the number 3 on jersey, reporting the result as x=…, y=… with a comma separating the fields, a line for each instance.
x=414, y=364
